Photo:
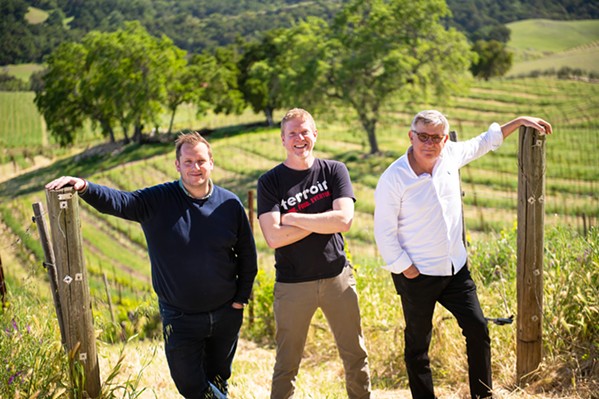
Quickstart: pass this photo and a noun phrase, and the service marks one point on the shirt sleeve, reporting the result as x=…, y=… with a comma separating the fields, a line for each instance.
x=343, y=187
x=268, y=199
x=469, y=150
x=387, y=197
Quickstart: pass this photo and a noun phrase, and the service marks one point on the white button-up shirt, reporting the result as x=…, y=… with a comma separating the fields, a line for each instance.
x=418, y=218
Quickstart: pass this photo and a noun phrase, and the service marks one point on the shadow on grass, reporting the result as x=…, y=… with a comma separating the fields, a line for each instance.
x=107, y=156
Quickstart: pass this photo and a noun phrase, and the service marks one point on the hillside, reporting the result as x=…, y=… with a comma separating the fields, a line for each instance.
x=116, y=248
x=34, y=28
x=29, y=335
x=540, y=44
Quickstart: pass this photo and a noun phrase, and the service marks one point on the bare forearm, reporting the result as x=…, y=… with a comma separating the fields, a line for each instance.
x=335, y=221
x=280, y=236
x=530, y=121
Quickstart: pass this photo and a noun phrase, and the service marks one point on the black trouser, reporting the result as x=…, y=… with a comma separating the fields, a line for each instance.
x=458, y=295
x=200, y=348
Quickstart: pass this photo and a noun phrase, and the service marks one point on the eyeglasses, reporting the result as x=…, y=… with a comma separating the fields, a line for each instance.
x=426, y=137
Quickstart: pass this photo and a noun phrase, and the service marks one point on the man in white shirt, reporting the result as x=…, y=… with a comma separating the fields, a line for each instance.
x=418, y=230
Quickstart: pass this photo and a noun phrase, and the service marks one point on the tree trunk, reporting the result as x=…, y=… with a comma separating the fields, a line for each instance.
x=107, y=130
x=170, y=125
x=269, y=119
x=370, y=126
x=137, y=132
x=126, y=135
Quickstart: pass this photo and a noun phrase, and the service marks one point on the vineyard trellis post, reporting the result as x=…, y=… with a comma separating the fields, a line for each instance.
x=49, y=264
x=73, y=287
x=531, y=217
x=251, y=218
x=2, y=286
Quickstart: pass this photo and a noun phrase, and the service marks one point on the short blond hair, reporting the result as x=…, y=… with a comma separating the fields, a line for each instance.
x=192, y=138
x=297, y=113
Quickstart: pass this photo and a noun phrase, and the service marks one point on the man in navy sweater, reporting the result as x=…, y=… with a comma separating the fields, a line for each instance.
x=203, y=261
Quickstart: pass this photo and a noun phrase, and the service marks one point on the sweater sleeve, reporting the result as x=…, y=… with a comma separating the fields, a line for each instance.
x=124, y=204
x=247, y=263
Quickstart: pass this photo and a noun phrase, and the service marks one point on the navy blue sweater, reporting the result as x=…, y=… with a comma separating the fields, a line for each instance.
x=202, y=252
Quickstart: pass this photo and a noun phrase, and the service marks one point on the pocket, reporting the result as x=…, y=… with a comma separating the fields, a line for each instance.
x=420, y=276
x=168, y=314
x=351, y=278
x=413, y=286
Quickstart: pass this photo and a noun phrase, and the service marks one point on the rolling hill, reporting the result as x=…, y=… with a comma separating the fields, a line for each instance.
x=540, y=44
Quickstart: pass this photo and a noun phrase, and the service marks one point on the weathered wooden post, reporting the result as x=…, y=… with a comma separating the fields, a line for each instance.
x=73, y=286
x=109, y=298
x=251, y=218
x=2, y=286
x=531, y=217
x=251, y=208
x=49, y=264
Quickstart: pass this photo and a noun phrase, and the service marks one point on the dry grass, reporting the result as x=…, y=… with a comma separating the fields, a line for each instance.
x=252, y=370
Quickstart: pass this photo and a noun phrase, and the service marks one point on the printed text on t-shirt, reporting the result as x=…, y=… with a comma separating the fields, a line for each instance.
x=306, y=197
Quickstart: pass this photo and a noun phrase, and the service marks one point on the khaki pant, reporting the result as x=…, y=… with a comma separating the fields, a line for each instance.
x=294, y=306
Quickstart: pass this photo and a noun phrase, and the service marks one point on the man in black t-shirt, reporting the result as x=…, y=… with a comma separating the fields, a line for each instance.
x=304, y=204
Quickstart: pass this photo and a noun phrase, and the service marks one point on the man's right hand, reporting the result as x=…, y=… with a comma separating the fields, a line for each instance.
x=77, y=183
x=411, y=272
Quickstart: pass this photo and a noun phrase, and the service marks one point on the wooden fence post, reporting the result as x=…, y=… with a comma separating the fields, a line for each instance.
x=251, y=315
x=531, y=216
x=2, y=286
x=109, y=298
x=49, y=265
x=73, y=286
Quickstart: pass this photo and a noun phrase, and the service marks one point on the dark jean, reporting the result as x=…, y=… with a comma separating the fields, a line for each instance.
x=200, y=348
x=458, y=295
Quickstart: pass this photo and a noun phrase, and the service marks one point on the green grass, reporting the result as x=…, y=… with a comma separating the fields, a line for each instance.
x=117, y=248
x=544, y=35
x=583, y=59
x=36, y=16
x=541, y=44
x=20, y=122
x=22, y=71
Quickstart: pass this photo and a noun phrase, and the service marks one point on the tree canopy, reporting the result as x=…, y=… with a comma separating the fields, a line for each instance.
x=198, y=25
x=374, y=50
x=127, y=78
x=493, y=59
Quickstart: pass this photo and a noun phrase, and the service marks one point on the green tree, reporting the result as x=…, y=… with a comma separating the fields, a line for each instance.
x=493, y=59
x=218, y=76
x=208, y=80
x=120, y=77
x=181, y=87
x=259, y=74
x=375, y=50
x=12, y=83
x=59, y=97
x=15, y=34
x=145, y=66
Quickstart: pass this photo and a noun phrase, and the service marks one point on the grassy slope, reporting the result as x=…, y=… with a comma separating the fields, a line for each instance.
x=36, y=16
x=242, y=155
x=22, y=71
x=540, y=44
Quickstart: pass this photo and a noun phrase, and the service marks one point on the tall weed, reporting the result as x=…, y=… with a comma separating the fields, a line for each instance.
x=35, y=364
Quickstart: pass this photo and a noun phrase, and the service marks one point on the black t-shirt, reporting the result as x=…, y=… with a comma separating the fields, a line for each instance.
x=284, y=190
